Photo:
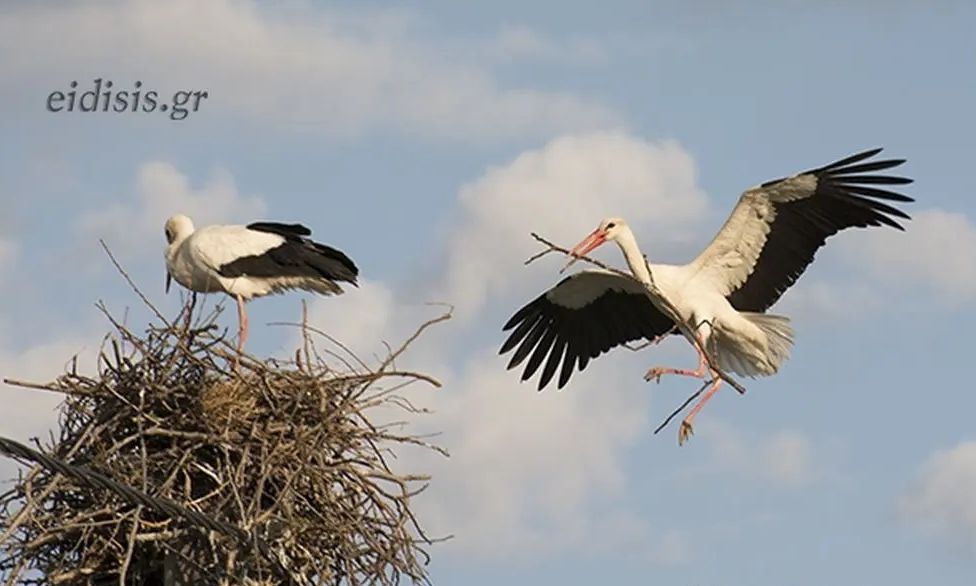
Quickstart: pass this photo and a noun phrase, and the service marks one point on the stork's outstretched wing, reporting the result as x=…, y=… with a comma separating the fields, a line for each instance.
x=776, y=228
x=583, y=316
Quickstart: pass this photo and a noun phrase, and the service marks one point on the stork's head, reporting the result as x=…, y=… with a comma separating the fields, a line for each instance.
x=613, y=228
x=610, y=229
x=178, y=227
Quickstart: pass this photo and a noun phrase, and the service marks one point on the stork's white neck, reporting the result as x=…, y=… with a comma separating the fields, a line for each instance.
x=174, y=246
x=632, y=254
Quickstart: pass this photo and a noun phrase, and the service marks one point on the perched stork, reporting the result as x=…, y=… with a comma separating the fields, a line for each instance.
x=760, y=251
x=251, y=261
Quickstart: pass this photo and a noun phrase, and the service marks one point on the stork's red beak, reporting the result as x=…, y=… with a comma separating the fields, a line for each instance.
x=591, y=242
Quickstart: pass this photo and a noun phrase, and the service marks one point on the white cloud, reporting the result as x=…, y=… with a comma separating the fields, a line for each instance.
x=31, y=413
x=937, y=251
x=785, y=458
x=531, y=473
x=521, y=42
x=528, y=469
x=365, y=317
x=818, y=303
x=27, y=413
x=132, y=227
x=562, y=191
x=943, y=500
x=320, y=70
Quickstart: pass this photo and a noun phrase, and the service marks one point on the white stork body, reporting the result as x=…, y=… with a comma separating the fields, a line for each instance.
x=746, y=343
x=765, y=245
x=250, y=261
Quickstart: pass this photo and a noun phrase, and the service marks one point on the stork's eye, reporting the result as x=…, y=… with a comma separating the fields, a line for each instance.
x=169, y=235
x=610, y=225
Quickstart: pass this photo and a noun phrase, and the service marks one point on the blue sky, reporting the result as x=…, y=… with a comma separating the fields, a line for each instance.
x=428, y=142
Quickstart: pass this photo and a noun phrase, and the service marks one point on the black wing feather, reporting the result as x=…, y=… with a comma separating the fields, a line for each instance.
x=541, y=350
x=842, y=199
x=559, y=338
x=285, y=230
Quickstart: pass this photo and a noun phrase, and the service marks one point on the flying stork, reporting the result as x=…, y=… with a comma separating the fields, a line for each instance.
x=250, y=261
x=764, y=246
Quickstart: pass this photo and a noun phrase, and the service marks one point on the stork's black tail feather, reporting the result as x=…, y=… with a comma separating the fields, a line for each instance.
x=332, y=263
x=297, y=256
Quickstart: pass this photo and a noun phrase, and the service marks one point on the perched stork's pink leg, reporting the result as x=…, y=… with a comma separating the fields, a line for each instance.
x=242, y=319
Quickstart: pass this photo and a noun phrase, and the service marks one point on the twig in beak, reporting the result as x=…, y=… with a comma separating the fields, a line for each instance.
x=571, y=262
x=593, y=240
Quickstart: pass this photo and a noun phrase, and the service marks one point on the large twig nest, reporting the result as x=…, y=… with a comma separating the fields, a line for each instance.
x=286, y=455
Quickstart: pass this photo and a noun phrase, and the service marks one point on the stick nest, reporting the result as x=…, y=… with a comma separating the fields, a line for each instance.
x=273, y=472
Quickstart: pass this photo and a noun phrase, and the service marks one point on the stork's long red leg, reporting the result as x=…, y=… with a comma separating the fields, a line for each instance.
x=242, y=319
x=658, y=371
x=686, y=430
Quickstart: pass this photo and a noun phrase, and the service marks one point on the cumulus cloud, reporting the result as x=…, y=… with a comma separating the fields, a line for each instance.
x=161, y=191
x=532, y=473
x=325, y=71
x=821, y=303
x=521, y=43
x=562, y=191
x=937, y=251
x=31, y=413
x=28, y=413
x=786, y=458
x=943, y=500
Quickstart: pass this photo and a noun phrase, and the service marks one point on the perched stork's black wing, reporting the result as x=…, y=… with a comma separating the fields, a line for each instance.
x=776, y=228
x=296, y=256
x=583, y=316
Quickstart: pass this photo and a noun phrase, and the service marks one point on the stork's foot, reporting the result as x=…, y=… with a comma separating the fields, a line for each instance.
x=654, y=374
x=685, y=432
x=657, y=372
